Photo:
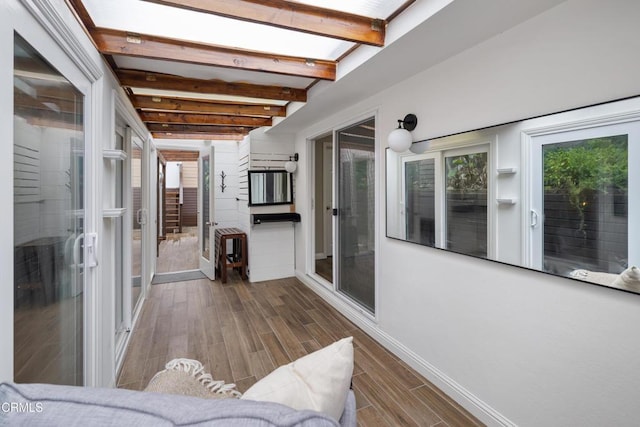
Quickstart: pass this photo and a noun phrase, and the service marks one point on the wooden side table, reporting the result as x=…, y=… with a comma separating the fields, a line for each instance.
x=237, y=259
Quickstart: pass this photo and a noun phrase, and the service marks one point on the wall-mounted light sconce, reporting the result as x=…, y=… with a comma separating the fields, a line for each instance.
x=400, y=139
x=291, y=165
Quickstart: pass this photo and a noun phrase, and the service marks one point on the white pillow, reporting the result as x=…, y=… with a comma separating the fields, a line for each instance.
x=629, y=279
x=319, y=381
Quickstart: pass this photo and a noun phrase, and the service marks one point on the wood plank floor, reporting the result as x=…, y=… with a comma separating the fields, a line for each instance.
x=179, y=251
x=242, y=331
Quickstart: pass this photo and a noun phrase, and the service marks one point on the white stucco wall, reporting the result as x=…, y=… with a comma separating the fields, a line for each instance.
x=512, y=345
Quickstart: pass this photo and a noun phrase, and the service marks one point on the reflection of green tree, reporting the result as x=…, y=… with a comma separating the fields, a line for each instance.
x=467, y=173
x=581, y=169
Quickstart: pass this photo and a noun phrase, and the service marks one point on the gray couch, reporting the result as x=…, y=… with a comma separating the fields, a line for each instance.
x=53, y=405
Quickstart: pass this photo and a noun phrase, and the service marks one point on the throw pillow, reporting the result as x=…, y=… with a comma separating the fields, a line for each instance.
x=629, y=279
x=187, y=377
x=319, y=381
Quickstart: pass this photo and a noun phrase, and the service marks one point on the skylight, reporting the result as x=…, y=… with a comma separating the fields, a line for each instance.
x=380, y=9
x=189, y=25
x=185, y=24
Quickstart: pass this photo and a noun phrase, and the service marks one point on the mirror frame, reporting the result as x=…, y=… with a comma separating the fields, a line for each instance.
x=273, y=171
x=628, y=106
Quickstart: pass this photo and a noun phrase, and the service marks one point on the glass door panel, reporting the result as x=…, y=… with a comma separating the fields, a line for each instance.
x=137, y=235
x=48, y=224
x=120, y=317
x=356, y=213
x=206, y=219
x=206, y=202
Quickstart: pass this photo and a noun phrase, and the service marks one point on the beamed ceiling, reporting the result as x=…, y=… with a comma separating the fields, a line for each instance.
x=187, y=87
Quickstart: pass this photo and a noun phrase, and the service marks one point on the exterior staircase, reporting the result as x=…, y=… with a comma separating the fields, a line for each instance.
x=172, y=222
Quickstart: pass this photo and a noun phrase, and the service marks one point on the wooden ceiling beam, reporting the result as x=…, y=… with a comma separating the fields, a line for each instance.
x=204, y=106
x=116, y=42
x=292, y=16
x=143, y=79
x=82, y=13
x=203, y=119
x=179, y=155
x=186, y=135
x=206, y=129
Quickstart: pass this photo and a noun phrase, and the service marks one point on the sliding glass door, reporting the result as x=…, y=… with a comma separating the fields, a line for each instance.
x=356, y=212
x=138, y=237
x=49, y=222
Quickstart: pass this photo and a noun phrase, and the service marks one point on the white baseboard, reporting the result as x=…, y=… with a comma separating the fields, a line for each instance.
x=461, y=395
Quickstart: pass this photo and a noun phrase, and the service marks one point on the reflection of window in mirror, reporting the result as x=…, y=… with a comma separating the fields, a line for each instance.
x=582, y=192
x=270, y=187
x=466, y=203
x=459, y=179
x=419, y=192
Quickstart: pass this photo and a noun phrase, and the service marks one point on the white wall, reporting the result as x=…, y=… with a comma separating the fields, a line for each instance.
x=226, y=202
x=512, y=345
x=271, y=246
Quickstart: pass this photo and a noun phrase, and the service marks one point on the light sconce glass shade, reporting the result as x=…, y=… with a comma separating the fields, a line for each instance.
x=400, y=139
x=292, y=164
x=419, y=147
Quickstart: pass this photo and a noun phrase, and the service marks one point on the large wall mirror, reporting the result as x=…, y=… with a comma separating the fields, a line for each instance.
x=559, y=194
x=270, y=187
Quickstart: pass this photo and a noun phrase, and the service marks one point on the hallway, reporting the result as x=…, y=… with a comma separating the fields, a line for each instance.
x=242, y=331
x=178, y=252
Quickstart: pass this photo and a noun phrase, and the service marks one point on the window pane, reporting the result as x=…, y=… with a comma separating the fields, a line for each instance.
x=420, y=201
x=585, y=205
x=466, y=199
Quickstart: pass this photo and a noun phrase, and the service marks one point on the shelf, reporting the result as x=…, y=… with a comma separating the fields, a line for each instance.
x=113, y=213
x=114, y=154
x=275, y=217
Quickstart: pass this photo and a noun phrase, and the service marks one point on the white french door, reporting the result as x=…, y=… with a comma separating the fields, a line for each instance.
x=206, y=201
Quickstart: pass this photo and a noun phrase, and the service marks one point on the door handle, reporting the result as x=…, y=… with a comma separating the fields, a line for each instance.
x=335, y=212
x=76, y=251
x=534, y=219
